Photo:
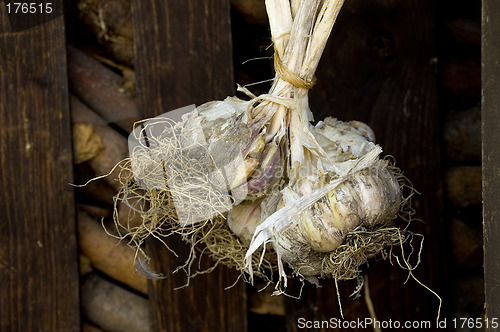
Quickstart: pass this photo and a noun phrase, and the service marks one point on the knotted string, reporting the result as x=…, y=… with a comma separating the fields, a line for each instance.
x=285, y=74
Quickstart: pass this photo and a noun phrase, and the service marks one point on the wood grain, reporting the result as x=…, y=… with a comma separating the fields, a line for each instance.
x=491, y=154
x=186, y=48
x=380, y=68
x=38, y=251
x=183, y=57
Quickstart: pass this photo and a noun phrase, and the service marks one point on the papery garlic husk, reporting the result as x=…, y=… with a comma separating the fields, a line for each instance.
x=243, y=219
x=206, y=160
x=345, y=187
x=269, y=173
x=369, y=198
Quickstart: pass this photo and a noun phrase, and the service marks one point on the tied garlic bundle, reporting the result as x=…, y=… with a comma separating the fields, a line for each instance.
x=256, y=182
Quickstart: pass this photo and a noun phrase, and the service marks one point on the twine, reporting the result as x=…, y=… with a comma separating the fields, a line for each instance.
x=285, y=74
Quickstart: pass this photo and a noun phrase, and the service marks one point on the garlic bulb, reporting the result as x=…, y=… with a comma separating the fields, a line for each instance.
x=268, y=174
x=368, y=198
x=208, y=158
x=348, y=186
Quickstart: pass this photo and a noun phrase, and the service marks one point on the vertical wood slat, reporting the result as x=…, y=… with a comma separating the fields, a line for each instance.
x=38, y=250
x=183, y=56
x=380, y=68
x=491, y=153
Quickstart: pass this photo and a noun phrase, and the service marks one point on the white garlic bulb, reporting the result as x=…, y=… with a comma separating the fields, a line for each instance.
x=350, y=187
x=368, y=198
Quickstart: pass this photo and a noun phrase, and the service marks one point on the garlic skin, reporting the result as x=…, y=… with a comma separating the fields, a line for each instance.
x=380, y=194
x=268, y=174
x=368, y=197
x=205, y=157
x=312, y=226
x=243, y=171
x=243, y=219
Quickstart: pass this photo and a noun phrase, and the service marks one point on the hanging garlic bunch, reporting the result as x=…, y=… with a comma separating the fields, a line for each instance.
x=336, y=181
x=256, y=175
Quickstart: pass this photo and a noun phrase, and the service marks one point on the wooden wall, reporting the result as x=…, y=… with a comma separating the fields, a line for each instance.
x=491, y=156
x=38, y=249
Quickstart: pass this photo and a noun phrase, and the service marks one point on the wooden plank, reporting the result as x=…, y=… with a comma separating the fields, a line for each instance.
x=183, y=57
x=491, y=153
x=186, y=49
x=38, y=250
x=379, y=68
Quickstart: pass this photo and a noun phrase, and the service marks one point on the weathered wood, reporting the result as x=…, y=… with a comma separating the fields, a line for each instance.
x=108, y=255
x=461, y=78
x=491, y=153
x=465, y=31
x=95, y=192
x=90, y=328
x=186, y=49
x=254, y=11
x=380, y=68
x=262, y=302
x=85, y=265
x=113, y=308
x=114, y=149
x=183, y=57
x=38, y=249
x=470, y=303
x=86, y=143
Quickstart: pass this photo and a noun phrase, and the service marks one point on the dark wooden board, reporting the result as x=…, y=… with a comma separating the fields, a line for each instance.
x=380, y=68
x=184, y=56
x=491, y=153
x=186, y=50
x=38, y=249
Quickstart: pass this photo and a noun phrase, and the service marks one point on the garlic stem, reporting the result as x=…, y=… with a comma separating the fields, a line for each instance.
x=300, y=35
x=322, y=29
x=277, y=121
x=280, y=21
x=295, y=53
x=309, y=23
x=294, y=4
